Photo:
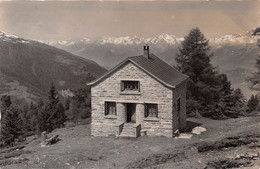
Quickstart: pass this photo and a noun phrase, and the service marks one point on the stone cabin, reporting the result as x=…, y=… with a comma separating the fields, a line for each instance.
x=142, y=95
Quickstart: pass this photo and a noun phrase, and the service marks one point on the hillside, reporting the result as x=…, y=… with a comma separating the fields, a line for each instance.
x=27, y=68
x=230, y=143
x=233, y=54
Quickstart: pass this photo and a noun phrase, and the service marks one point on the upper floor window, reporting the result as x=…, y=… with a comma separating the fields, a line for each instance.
x=130, y=85
x=151, y=110
x=110, y=108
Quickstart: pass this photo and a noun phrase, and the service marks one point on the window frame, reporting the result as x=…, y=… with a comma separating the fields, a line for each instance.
x=147, y=114
x=107, y=105
x=127, y=89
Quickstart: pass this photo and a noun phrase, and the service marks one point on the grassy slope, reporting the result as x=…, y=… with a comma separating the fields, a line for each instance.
x=34, y=66
x=78, y=149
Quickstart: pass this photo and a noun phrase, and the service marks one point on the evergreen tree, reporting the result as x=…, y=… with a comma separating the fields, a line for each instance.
x=208, y=91
x=225, y=95
x=254, y=79
x=11, y=125
x=193, y=59
x=53, y=97
x=237, y=103
x=67, y=104
x=26, y=119
x=79, y=105
x=41, y=118
x=53, y=116
x=59, y=116
x=5, y=103
x=252, y=103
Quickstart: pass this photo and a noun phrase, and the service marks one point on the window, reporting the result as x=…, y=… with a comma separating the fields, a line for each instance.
x=178, y=105
x=110, y=108
x=130, y=85
x=151, y=110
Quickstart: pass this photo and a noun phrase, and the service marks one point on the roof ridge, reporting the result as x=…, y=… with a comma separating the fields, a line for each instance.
x=155, y=67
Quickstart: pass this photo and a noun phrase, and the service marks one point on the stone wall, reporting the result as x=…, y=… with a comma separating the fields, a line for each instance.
x=179, y=92
x=151, y=91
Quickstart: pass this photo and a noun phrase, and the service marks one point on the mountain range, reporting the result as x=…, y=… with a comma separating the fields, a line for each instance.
x=27, y=68
x=233, y=54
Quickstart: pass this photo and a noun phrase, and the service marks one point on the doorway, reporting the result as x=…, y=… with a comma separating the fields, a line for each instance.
x=131, y=112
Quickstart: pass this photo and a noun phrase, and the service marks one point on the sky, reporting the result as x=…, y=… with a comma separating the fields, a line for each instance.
x=75, y=20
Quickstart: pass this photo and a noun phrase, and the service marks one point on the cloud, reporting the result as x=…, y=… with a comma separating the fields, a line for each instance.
x=172, y=17
x=68, y=20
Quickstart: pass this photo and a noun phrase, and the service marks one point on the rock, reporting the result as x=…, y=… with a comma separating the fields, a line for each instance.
x=177, y=133
x=184, y=136
x=198, y=130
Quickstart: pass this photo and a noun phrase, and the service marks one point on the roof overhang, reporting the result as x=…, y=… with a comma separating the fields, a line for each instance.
x=92, y=83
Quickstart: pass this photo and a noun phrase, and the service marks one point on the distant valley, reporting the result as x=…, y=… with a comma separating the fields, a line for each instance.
x=233, y=54
x=27, y=68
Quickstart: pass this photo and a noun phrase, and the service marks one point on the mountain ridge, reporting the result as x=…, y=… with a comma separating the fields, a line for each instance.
x=167, y=38
x=28, y=67
x=232, y=53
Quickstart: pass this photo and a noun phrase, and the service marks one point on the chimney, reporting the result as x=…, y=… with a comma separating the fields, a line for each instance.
x=146, y=51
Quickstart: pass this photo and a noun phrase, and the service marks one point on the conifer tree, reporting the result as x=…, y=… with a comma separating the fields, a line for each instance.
x=193, y=59
x=5, y=103
x=10, y=121
x=54, y=115
x=254, y=79
x=252, y=103
x=225, y=95
x=237, y=104
x=208, y=91
x=53, y=97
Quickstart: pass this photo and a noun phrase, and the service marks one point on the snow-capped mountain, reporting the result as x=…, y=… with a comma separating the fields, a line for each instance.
x=8, y=37
x=27, y=68
x=163, y=38
x=124, y=40
x=232, y=53
x=233, y=39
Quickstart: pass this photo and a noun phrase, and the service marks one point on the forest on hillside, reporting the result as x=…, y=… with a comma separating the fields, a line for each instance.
x=209, y=94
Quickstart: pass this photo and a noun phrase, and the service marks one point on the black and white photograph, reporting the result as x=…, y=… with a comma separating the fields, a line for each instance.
x=127, y=84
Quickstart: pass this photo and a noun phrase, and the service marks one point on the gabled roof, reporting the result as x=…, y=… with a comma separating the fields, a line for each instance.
x=154, y=67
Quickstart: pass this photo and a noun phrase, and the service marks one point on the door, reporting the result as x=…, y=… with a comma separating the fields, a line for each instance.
x=131, y=112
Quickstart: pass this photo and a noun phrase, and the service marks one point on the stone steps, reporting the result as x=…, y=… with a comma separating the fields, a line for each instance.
x=127, y=135
x=128, y=130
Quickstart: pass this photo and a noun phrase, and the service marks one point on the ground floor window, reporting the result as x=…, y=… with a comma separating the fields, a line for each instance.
x=151, y=110
x=110, y=108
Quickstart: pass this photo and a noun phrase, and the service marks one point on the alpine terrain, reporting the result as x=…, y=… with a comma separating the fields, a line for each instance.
x=234, y=54
x=27, y=68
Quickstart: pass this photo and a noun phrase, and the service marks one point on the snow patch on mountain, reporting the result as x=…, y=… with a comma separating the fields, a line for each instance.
x=163, y=39
x=8, y=37
x=169, y=39
x=67, y=42
x=234, y=39
x=125, y=40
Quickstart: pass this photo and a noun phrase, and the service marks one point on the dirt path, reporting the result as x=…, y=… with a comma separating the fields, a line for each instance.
x=77, y=149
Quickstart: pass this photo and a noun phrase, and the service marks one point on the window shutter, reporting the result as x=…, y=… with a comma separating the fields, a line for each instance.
x=106, y=108
x=122, y=85
x=115, y=109
x=156, y=109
